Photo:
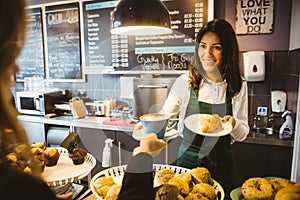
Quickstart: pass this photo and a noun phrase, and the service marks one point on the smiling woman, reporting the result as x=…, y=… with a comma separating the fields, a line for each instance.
x=214, y=85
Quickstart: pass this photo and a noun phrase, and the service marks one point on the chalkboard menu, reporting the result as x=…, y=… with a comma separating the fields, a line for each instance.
x=31, y=60
x=63, y=41
x=157, y=52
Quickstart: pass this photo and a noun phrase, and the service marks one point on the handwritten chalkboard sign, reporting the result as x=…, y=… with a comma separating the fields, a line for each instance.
x=63, y=41
x=31, y=60
x=159, y=52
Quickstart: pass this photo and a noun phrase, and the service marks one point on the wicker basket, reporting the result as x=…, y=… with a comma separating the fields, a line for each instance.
x=118, y=172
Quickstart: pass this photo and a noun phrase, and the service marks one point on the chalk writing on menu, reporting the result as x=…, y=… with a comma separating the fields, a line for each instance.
x=156, y=52
x=31, y=60
x=63, y=41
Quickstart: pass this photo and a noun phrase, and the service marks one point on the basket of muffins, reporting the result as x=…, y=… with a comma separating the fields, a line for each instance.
x=267, y=188
x=170, y=183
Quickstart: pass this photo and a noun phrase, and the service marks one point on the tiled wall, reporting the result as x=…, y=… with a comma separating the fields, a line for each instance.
x=282, y=73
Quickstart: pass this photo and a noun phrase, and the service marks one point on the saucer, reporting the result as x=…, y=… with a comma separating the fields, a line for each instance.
x=141, y=134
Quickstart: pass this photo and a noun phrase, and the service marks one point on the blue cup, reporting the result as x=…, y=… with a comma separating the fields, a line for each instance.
x=155, y=123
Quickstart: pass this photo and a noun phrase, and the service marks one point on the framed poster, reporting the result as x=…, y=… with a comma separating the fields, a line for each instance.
x=254, y=17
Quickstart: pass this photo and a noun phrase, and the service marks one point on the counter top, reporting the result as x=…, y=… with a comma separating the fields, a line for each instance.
x=94, y=122
x=266, y=139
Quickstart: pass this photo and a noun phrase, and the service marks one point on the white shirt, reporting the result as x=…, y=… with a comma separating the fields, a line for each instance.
x=213, y=93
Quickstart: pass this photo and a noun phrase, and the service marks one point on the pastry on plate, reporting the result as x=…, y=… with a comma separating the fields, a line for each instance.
x=209, y=123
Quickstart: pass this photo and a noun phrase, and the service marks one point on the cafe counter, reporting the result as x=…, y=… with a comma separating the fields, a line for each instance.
x=105, y=123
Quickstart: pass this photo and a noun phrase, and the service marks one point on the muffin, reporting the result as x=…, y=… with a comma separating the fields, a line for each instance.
x=201, y=174
x=166, y=192
x=204, y=189
x=182, y=185
x=78, y=155
x=164, y=175
x=52, y=156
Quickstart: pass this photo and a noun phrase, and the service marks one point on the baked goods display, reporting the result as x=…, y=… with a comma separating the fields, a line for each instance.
x=267, y=188
x=209, y=123
x=170, y=183
x=188, y=187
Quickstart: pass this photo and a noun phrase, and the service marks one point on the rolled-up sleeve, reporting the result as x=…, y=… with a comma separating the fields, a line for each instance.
x=240, y=113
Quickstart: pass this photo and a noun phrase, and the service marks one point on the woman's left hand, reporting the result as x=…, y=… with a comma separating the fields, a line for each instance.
x=230, y=119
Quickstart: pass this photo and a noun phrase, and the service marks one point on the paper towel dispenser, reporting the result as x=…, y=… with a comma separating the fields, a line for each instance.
x=254, y=66
x=56, y=135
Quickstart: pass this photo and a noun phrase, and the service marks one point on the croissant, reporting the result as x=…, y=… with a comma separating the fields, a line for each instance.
x=209, y=123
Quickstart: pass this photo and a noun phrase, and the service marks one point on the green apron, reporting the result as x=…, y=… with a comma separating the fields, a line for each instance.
x=214, y=153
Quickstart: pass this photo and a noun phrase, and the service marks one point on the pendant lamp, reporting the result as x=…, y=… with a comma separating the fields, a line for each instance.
x=140, y=17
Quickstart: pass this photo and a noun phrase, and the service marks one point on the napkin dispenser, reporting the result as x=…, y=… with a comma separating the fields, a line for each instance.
x=254, y=66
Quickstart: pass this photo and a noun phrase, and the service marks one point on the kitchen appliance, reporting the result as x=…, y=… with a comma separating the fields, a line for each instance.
x=38, y=103
x=149, y=94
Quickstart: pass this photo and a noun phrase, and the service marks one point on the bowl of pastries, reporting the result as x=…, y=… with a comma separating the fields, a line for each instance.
x=269, y=188
x=170, y=182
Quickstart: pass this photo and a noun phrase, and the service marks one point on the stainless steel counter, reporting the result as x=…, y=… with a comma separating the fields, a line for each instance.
x=97, y=123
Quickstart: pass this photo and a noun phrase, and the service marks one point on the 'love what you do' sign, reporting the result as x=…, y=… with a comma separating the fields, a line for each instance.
x=254, y=16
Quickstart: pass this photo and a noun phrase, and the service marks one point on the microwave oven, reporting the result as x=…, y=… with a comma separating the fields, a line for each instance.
x=38, y=103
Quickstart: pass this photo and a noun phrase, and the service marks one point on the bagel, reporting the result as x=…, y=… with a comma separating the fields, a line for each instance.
x=279, y=183
x=257, y=188
x=291, y=192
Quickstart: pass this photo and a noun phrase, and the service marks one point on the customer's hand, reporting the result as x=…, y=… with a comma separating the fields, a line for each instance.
x=138, y=126
x=151, y=145
x=67, y=196
x=230, y=119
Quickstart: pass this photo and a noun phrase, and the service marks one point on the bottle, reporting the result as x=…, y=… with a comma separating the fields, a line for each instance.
x=286, y=129
x=106, y=155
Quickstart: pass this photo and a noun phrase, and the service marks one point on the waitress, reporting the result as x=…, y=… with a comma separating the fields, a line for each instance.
x=214, y=85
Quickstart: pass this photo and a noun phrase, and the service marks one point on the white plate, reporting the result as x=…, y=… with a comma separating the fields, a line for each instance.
x=192, y=123
x=141, y=134
x=65, y=171
x=118, y=172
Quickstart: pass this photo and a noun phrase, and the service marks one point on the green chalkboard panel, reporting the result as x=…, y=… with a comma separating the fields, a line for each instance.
x=63, y=41
x=31, y=60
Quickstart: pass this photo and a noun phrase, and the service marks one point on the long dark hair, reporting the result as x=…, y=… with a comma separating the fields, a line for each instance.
x=230, y=55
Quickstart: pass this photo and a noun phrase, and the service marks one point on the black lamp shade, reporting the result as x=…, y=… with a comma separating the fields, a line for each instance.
x=140, y=17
